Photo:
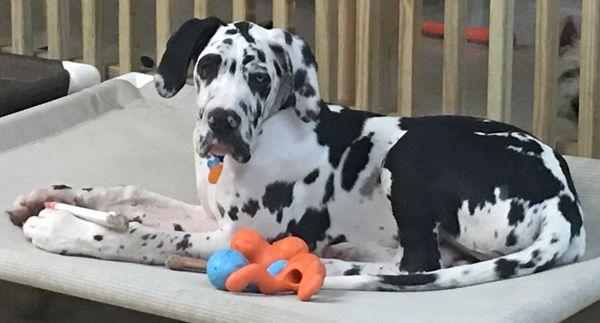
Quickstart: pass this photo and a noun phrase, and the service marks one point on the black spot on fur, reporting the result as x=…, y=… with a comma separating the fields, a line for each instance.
x=516, y=213
x=231, y=32
x=87, y=189
x=553, y=240
x=549, y=264
x=569, y=74
x=121, y=247
x=408, y=280
x=338, y=131
x=354, y=270
x=247, y=59
x=146, y=236
x=232, y=67
x=132, y=230
x=506, y=268
x=290, y=102
x=339, y=239
x=312, y=226
x=61, y=187
x=250, y=207
x=137, y=219
x=144, y=244
x=233, y=213
x=278, y=196
x=277, y=68
x=227, y=41
x=221, y=210
x=152, y=237
x=261, y=55
x=301, y=85
x=244, y=28
x=288, y=37
x=208, y=67
x=511, y=239
x=356, y=161
x=328, y=189
x=307, y=56
x=177, y=227
x=570, y=211
x=160, y=244
x=184, y=243
x=311, y=177
x=98, y=237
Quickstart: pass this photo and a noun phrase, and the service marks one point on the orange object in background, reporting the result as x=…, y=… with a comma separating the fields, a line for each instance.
x=474, y=34
x=304, y=273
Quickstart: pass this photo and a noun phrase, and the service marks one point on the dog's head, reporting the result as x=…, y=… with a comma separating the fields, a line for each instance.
x=244, y=74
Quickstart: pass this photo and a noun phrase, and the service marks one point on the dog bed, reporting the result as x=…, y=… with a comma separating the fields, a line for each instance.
x=28, y=81
x=120, y=132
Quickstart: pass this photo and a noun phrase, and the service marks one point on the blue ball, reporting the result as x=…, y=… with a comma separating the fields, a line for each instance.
x=276, y=267
x=222, y=264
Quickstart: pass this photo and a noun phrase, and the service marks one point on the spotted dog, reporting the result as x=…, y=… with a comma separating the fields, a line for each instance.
x=389, y=203
x=568, y=70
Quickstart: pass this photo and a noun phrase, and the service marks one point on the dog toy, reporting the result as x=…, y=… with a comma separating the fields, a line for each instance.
x=474, y=34
x=286, y=265
x=215, y=165
x=111, y=220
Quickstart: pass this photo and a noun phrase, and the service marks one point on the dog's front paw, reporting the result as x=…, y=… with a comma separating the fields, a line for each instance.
x=60, y=232
x=26, y=206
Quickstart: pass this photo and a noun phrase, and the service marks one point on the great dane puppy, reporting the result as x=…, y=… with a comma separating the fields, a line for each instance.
x=390, y=203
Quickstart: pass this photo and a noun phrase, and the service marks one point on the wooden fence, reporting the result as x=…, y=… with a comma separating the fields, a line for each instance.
x=346, y=47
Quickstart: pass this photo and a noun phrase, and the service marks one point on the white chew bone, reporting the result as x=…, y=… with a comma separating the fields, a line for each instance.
x=111, y=220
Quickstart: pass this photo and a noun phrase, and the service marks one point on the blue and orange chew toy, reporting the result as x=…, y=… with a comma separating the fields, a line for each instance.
x=284, y=266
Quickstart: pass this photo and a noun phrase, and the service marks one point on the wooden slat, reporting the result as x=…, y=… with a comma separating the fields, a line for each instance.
x=163, y=26
x=364, y=30
x=243, y=10
x=282, y=14
x=126, y=57
x=455, y=37
x=500, y=59
x=91, y=24
x=589, y=92
x=409, y=51
x=545, y=73
x=325, y=47
x=21, y=27
x=346, y=52
x=200, y=9
x=57, y=24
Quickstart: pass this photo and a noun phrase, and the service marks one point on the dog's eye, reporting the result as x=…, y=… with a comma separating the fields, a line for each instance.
x=260, y=78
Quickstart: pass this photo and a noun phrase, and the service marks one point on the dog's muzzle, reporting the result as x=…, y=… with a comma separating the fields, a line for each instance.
x=224, y=137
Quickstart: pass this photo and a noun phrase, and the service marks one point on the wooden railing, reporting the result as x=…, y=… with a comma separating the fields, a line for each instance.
x=348, y=41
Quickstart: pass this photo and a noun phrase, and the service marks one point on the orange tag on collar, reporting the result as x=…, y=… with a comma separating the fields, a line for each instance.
x=214, y=173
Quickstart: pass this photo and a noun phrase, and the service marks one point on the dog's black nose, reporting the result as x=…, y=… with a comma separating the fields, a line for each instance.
x=222, y=122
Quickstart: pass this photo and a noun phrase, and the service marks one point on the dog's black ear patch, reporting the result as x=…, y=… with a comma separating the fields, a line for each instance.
x=569, y=33
x=185, y=45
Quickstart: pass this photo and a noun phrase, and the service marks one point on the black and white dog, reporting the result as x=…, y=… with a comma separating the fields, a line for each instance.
x=390, y=203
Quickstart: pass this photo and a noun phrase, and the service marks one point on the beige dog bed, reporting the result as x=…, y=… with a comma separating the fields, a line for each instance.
x=115, y=133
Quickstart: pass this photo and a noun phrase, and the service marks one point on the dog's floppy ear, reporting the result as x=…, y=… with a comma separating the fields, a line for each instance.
x=569, y=33
x=184, y=46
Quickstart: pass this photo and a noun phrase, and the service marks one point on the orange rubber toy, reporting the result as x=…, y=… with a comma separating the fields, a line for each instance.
x=303, y=273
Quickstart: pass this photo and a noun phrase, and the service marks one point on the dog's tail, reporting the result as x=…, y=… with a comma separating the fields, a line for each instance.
x=546, y=251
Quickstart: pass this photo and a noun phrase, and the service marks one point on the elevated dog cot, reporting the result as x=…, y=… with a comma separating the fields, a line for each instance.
x=74, y=140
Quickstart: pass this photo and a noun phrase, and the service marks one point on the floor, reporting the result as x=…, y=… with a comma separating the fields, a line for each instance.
x=13, y=298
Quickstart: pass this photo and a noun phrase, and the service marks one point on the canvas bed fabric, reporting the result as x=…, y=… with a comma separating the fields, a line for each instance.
x=115, y=134
x=28, y=81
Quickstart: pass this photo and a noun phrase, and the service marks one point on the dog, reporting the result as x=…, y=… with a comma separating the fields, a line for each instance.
x=568, y=70
x=390, y=203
